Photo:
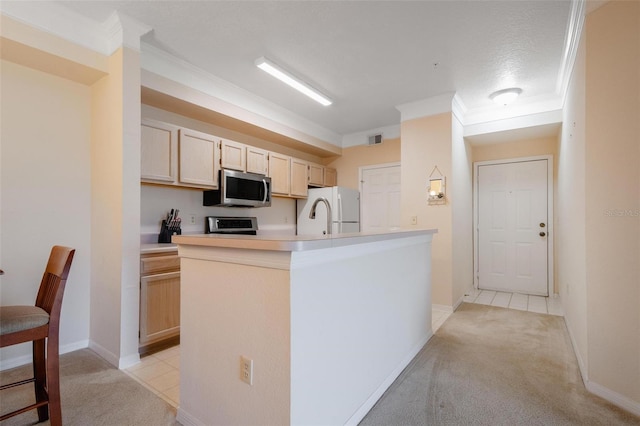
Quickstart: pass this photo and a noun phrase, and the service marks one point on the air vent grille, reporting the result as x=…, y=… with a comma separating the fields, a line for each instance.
x=375, y=139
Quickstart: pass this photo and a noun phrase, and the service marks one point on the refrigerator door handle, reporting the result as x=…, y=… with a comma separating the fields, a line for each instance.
x=339, y=208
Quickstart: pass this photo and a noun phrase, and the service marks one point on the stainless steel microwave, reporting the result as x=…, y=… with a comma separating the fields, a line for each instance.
x=239, y=189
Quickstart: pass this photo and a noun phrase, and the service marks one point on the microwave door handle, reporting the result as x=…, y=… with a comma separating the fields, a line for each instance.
x=266, y=190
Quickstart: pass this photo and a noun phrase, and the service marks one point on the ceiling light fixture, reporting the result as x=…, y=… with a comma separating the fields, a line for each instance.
x=505, y=96
x=266, y=65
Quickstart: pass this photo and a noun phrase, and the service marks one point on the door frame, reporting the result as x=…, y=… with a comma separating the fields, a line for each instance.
x=550, y=227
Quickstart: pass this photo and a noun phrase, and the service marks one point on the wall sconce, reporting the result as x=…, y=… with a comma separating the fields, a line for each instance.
x=436, y=189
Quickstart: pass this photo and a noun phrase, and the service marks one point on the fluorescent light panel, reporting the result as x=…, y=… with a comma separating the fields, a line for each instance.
x=273, y=69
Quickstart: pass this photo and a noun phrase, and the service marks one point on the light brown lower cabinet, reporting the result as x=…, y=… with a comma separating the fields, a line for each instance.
x=159, y=302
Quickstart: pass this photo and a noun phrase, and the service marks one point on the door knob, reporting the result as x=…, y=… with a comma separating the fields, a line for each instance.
x=542, y=225
x=542, y=234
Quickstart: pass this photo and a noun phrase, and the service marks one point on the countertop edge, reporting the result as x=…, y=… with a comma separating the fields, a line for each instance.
x=293, y=243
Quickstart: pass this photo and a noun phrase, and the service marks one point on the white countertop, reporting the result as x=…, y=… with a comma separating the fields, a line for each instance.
x=293, y=242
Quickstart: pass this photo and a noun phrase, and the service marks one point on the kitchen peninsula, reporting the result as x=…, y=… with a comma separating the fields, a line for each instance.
x=328, y=323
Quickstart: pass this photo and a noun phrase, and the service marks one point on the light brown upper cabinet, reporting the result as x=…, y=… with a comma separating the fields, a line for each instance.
x=330, y=177
x=257, y=160
x=199, y=159
x=316, y=175
x=176, y=156
x=322, y=176
x=279, y=171
x=233, y=155
x=158, y=149
x=299, y=178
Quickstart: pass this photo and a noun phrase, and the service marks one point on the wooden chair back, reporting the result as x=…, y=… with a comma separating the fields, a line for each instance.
x=54, y=280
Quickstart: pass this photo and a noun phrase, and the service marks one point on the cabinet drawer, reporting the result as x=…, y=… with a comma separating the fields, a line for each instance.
x=155, y=264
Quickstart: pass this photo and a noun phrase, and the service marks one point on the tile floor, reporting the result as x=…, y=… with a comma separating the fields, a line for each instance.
x=160, y=372
x=522, y=302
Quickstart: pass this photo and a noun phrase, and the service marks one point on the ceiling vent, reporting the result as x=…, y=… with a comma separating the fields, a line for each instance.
x=375, y=139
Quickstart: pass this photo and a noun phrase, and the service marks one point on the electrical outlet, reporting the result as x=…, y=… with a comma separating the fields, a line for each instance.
x=414, y=220
x=192, y=219
x=246, y=370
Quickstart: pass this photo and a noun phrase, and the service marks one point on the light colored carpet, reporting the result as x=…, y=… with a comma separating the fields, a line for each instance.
x=93, y=393
x=495, y=366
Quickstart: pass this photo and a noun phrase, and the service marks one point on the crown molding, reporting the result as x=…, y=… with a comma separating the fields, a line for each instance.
x=572, y=42
x=426, y=107
x=122, y=30
x=53, y=18
x=60, y=21
x=458, y=108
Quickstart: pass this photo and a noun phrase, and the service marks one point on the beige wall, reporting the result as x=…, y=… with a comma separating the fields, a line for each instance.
x=613, y=197
x=45, y=194
x=525, y=148
x=115, y=217
x=355, y=157
x=461, y=195
x=426, y=143
x=106, y=205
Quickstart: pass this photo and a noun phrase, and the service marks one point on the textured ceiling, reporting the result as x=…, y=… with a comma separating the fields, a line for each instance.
x=368, y=56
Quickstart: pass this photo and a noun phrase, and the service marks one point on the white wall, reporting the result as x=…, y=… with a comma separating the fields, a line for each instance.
x=45, y=187
x=156, y=201
x=569, y=209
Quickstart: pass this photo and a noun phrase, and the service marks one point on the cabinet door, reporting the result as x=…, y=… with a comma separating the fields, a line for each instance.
x=330, y=177
x=299, y=178
x=257, y=160
x=199, y=159
x=316, y=175
x=279, y=166
x=158, y=149
x=159, y=307
x=233, y=155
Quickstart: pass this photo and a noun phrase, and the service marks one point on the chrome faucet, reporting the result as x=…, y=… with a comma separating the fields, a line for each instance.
x=312, y=213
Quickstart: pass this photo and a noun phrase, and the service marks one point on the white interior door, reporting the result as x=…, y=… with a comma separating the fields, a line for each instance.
x=380, y=198
x=513, y=227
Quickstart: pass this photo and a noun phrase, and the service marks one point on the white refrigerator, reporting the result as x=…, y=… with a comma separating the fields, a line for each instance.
x=345, y=211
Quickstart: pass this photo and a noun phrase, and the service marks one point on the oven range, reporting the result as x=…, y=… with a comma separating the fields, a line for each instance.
x=230, y=225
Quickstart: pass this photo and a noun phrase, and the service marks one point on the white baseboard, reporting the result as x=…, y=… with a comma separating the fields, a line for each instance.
x=581, y=365
x=458, y=303
x=614, y=397
x=187, y=419
x=128, y=361
x=27, y=359
x=375, y=396
x=442, y=308
x=596, y=388
x=109, y=356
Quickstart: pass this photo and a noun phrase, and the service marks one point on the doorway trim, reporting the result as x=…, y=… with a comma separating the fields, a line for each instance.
x=550, y=223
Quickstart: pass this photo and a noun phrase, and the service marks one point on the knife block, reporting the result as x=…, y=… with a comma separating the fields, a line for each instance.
x=167, y=231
